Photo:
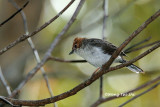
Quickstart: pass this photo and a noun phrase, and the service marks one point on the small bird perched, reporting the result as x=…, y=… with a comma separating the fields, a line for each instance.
x=97, y=52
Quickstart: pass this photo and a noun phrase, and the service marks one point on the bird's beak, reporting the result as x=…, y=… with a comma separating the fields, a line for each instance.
x=71, y=52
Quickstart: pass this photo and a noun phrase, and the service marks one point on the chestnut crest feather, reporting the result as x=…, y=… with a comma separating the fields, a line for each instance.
x=77, y=43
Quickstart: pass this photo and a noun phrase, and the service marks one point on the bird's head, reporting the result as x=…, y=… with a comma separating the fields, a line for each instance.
x=77, y=43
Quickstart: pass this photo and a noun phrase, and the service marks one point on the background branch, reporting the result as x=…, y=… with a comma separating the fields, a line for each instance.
x=8, y=89
x=20, y=9
x=67, y=61
x=24, y=37
x=5, y=101
x=48, y=53
x=137, y=44
x=105, y=15
x=35, y=52
x=141, y=47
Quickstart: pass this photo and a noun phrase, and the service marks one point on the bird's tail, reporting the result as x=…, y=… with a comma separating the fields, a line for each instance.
x=135, y=69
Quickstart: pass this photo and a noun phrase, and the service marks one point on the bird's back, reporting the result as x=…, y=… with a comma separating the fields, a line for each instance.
x=106, y=46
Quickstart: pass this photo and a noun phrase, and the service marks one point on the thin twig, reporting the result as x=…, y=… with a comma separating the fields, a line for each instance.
x=101, y=87
x=48, y=53
x=42, y=69
x=36, y=54
x=137, y=44
x=105, y=15
x=66, y=61
x=144, y=46
x=6, y=101
x=144, y=92
x=126, y=93
x=8, y=89
x=14, y=14
x=24, y=36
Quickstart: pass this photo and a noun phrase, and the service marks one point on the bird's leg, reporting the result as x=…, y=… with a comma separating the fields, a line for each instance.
x=96, y=71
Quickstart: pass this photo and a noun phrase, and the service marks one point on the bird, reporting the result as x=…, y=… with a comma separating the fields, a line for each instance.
x=97, y=52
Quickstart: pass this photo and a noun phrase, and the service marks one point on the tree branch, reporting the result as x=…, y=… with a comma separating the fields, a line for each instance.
x=137, y=44
x=141, y=47
x=48, y=53
x=24, y=36
x=66, y=61
x=6, y=101
x=35, y=52
x=8, y=89
x=105, y=15
x=19, y=10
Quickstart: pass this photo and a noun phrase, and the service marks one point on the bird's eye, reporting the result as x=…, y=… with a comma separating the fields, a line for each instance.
x=75, y=46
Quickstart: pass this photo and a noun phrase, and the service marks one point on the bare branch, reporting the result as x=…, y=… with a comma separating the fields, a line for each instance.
x=135, y=45
x=144, y=92
x=36, y=54
x=42, y=69
x=4, y=100
x=105, y=15
x=101, y=87
x=48, y=53
x=14, y=14
x=66, y=61
x=8, y=89
x=24, y=37
x=145, y=46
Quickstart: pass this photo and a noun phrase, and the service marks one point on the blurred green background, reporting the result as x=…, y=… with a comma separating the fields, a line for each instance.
x=125, y=16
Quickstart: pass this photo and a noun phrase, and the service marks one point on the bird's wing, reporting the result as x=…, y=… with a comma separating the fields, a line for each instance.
x=106, y=46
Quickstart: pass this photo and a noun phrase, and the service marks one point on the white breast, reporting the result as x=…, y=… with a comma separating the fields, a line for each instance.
x=94, y=56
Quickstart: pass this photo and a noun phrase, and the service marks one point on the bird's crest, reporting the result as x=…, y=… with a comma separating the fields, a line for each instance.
x=77, y=42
